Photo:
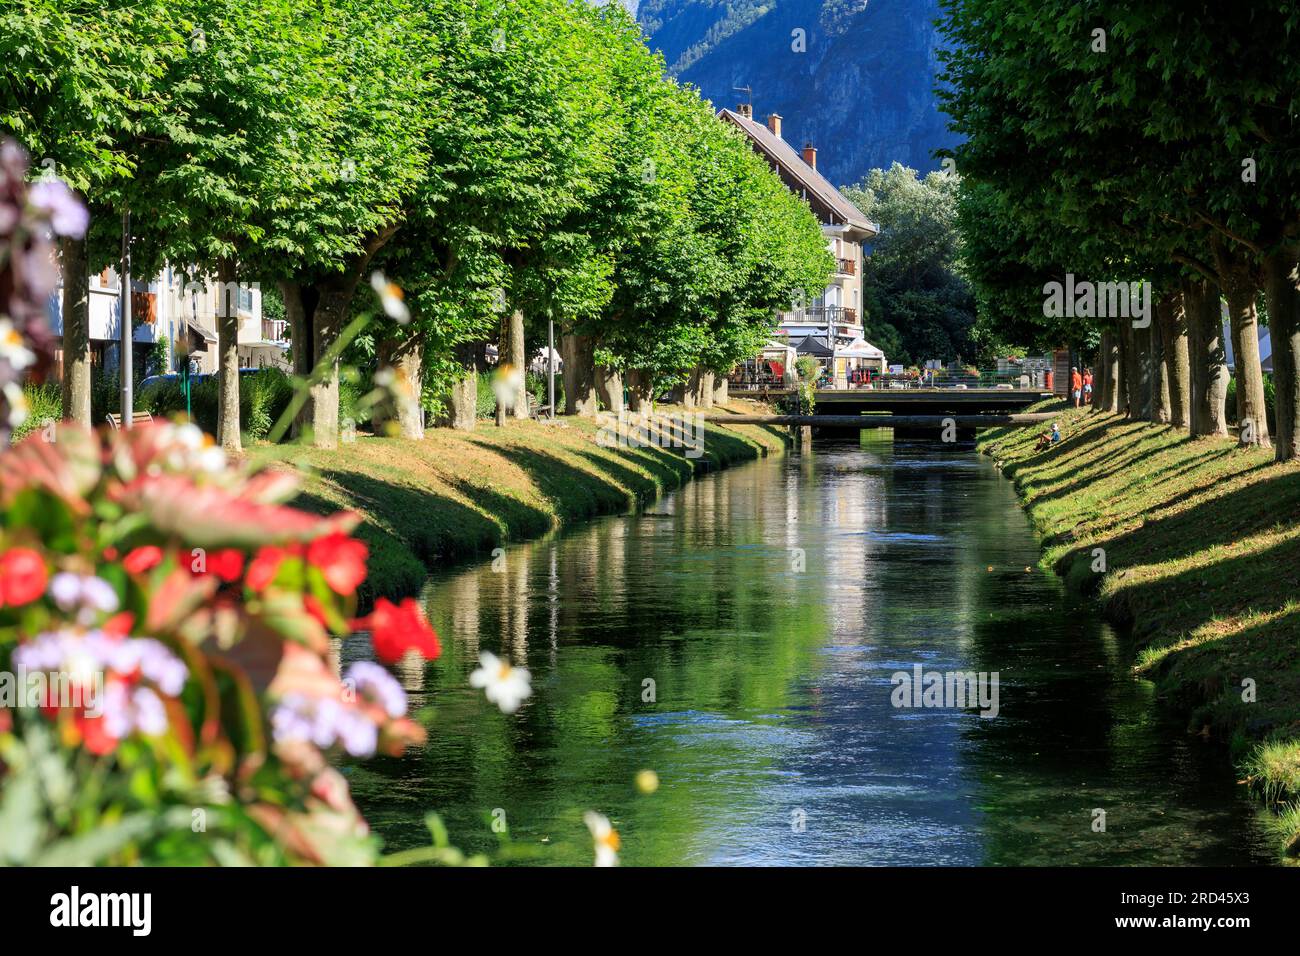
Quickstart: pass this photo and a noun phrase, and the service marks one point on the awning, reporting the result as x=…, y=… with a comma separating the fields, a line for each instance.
x=860, y=348
x=200, y=337
x=815, y=346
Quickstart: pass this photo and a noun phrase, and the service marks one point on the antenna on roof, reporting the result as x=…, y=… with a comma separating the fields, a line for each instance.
x=749, y=92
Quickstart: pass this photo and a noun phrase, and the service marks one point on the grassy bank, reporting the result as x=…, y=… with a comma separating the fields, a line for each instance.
x=1201, y=548
x=458, y=494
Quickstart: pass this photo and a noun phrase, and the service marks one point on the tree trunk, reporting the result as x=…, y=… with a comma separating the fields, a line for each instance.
x=1176, y=355
x=1252, y=418
x=579, y=375
x=1282, y=287
x=1137, y=371
x=227, y=358
x=704, y=390
x=609, y=387
x=76, y=332
x=512, y=351
x=322, y=412
x=720, y=392
x=1160, y=412
x=696, y=391
x=640, y=387
x=402, y=352
x=1208, y=360
x=462, y=399
x=1108, y=369
x=1240, y=288
x=299, y=306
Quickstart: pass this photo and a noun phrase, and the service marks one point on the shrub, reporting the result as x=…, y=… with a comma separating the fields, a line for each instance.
x=44, y=404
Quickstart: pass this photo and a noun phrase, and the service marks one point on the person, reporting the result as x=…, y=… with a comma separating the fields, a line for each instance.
x=1048, y=439
x=1076, y=385
x=1087, y=386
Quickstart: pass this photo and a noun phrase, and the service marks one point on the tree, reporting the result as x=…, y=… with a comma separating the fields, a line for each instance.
x=79, y=78
x=912, y=280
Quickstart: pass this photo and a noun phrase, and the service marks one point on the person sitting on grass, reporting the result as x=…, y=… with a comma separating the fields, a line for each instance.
x=1048, y=439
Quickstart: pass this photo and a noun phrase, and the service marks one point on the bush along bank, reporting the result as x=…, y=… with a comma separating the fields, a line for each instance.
x=1194, y=545
x=457, y=494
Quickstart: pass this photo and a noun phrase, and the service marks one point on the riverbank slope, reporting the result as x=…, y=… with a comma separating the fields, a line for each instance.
x=457, y=494
x=1194, y=545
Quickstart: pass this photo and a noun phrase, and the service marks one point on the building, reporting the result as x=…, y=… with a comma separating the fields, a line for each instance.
x=835, y=315
x=178, y=313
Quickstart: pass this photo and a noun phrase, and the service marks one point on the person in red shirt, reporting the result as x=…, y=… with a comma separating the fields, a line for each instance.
x=1087, y=386
x=1076, y=386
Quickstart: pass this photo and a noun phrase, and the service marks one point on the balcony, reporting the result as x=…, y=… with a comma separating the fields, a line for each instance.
x=821, y=315
x=846, y=267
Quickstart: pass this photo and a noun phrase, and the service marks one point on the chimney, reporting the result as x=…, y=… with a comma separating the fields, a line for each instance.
x=810, y=155
x=746, y=110
x=774, y=123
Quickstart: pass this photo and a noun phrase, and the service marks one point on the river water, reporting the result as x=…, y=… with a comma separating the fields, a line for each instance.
x=739, y=638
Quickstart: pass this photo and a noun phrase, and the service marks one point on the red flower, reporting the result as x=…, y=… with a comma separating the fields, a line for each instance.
x=142, y=559
x=397, y=628
x=95, y=735
x=316, y=610
x=265, y=564
x=341, y=559
x=227, y=564
x=22, y=576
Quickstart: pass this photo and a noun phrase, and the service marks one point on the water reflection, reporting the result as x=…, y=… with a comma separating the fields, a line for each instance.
x=739, y=638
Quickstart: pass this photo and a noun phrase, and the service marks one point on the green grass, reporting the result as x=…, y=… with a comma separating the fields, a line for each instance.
x=456, y=495
x=1201, y=547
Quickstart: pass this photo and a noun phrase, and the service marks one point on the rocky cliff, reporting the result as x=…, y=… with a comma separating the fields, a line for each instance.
x=855, y=78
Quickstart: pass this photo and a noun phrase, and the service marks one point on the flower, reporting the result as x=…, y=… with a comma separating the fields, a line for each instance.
x=265, y=565
x=142, y=559
x=13, y=348
x=17, y=402
x=506, y=686
x=398, y=628
x=390, y=295
x=22, y=576
x=84, y=594
x=192, y=449
x=227, y=564
x=127, y=705
x=342, y=560
x=606, y=837
x=67, y=215
x=374, y=682
x=323, y=722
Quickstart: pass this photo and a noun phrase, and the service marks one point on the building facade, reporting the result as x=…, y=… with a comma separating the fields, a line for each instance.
x=834, y=315
x=174, y=318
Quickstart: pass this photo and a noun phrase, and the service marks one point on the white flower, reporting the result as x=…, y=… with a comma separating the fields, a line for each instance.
x=606, y=838
x=506, y=686
x=13, y=349
x=17, y=403
x=391, y=297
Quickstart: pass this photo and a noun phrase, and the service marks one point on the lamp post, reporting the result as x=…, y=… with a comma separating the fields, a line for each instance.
x=127, y=362
x=550, y=365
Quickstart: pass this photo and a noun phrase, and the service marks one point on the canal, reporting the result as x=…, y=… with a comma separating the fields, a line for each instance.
x=740, y=638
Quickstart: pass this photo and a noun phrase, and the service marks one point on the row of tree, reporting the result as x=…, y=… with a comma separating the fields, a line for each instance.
x=1157, y=142
x=505, y=165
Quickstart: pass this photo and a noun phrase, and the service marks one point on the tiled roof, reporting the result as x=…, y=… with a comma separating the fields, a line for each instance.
x=791, y=161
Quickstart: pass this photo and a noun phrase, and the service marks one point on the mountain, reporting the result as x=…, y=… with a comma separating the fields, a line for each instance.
x=855, y=78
